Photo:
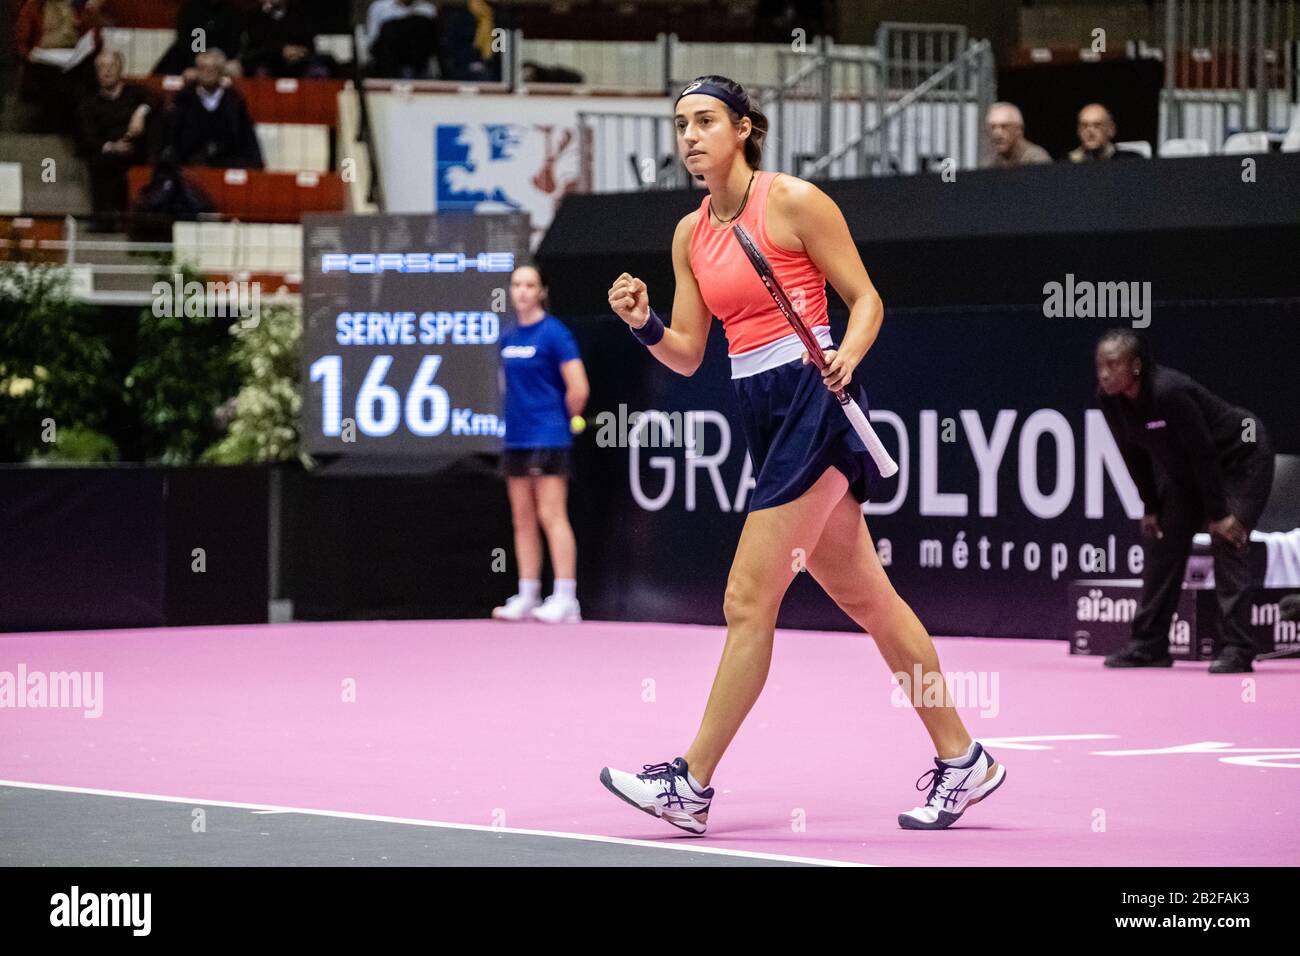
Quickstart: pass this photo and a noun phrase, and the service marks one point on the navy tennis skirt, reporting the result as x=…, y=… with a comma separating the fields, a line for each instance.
x=796, y=430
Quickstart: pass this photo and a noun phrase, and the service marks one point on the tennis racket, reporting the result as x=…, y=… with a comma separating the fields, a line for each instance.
x=883, y=461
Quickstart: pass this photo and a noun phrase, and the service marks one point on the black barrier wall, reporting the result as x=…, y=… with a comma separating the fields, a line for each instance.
x=1210, y=228
x=1009, y=487
x=975, y=552
x=967, y=352
x=132, y=546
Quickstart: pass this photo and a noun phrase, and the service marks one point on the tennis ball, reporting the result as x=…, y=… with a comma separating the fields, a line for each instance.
x=577, y=424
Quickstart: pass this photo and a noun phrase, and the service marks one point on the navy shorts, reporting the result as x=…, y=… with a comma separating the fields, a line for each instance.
x=531, y=462
x=796, y=430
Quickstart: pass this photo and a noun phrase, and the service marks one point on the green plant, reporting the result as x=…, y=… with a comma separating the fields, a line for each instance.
x=263, y=422
x=77, y=445
x=54, y=364
x=183, y=372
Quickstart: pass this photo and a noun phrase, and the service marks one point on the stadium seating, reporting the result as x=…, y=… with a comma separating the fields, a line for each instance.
x=1291, y=141
x=272, y=100
x=11, y=189
x=1184, y=147
x=294, y=147
x=269, y=254
x=20, y=236
x=257, y=195
x=1241, y=143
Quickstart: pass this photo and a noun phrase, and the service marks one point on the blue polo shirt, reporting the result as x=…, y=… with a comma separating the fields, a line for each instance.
x=531, y=356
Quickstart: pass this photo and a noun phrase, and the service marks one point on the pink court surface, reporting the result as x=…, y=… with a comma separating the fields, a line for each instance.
x=503, y=729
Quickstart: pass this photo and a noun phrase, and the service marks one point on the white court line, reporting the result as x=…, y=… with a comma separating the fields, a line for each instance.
x=411, y=821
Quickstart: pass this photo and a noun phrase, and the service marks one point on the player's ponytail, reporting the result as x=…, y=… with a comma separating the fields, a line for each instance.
x=754, y=145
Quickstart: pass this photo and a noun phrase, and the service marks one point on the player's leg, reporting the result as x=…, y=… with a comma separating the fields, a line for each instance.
x=553, y=515
x=766, y=561
x=528, y=550
x=846, y=565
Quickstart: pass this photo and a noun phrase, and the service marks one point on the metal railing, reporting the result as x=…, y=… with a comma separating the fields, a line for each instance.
x=1230, y=66
x=910, y=103
x=112, y=270
x=824, y=97
x=936, y=121
x=626, y=152
x=666, y=63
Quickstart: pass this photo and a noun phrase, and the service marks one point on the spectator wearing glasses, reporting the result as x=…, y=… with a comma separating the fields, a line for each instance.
x=1097, y=137
x=1006, y=128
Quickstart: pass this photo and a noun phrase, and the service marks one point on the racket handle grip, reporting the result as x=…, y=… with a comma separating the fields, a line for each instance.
x=879, y=455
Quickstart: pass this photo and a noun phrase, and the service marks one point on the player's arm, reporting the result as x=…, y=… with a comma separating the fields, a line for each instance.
x=576, y=388
x=682, y=347
x=820, y=226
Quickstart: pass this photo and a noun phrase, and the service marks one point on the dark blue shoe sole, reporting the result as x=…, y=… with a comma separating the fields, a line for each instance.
x=948, y=819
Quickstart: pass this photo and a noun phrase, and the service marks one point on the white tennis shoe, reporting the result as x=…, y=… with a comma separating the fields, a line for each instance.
x=662, y=790
x=516, y=608
x=953, y=790
x=558, y=609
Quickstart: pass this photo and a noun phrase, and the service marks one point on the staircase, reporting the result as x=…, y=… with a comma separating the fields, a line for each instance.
x=69, y=191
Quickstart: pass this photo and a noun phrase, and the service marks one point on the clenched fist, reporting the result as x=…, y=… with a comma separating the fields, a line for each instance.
x=630, y=300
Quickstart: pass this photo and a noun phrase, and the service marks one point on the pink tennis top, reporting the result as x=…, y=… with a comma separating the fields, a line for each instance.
x=732, y=289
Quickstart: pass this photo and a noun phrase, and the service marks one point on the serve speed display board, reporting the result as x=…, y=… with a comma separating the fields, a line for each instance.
x=401, y=320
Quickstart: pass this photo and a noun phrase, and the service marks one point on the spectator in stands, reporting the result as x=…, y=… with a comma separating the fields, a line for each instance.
x=210, y=123
x=1006, y=127
x=775, y=19
x=466, y=34
x=282, y=42
x=111, y=135
x=403, y=38
x=1097, y=136
x=55, y=41
x=204, y=25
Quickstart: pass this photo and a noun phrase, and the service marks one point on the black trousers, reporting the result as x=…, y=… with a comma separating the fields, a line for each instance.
x=1181, y=516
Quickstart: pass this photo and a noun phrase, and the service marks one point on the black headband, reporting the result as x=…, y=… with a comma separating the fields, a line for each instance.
x=738, y=105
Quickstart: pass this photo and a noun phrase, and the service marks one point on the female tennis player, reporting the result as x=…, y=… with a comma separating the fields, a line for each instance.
x=812, y=471
x=545, y=385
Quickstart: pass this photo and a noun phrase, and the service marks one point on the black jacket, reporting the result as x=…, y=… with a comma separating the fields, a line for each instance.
x=221, y=137
x=1189, y=433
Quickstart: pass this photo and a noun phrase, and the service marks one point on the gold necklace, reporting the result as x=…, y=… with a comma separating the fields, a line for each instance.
x=743, y=201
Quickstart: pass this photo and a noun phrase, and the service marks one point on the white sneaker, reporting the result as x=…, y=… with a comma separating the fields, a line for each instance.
x=953, y=790
x=662, y=790
x=516, y=608
x=558, y=610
